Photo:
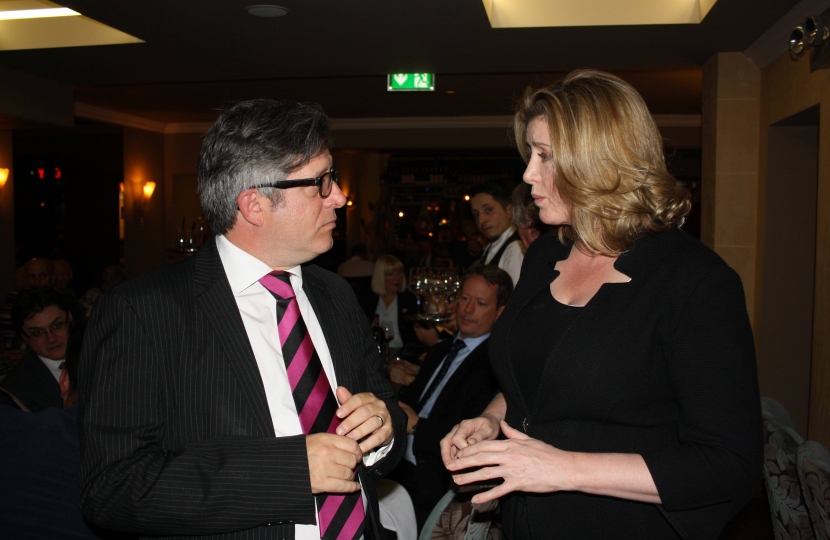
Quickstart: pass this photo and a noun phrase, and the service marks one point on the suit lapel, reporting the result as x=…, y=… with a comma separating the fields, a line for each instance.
x=448, y=392
x=215, y=298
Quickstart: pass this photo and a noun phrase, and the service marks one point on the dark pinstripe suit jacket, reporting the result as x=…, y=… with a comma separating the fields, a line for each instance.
x=176, y=434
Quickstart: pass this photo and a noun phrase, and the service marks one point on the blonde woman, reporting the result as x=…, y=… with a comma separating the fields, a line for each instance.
x=629, y=404
x=394, y=303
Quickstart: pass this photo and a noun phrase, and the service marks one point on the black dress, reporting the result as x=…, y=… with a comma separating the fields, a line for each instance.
x=662, y=366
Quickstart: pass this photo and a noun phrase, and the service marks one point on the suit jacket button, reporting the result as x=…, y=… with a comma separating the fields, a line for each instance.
x=526, y=425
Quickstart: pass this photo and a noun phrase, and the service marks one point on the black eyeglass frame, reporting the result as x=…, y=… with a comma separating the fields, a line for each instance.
x=299, y=182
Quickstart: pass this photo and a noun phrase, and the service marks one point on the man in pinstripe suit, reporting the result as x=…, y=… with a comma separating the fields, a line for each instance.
x=189, y=415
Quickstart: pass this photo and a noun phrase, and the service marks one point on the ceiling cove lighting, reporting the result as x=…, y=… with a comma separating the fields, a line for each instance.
x=267, y=11
x=559, y=13
x=37, y=13
x=41, y=24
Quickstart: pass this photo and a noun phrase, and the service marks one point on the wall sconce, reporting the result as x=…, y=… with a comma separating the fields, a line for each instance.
x=813, y=34
x=350, y=201
x=147, y=192
x=4, y=176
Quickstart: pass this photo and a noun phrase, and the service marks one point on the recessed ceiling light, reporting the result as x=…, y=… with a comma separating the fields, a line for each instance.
x=36, y=13
x=267, y=11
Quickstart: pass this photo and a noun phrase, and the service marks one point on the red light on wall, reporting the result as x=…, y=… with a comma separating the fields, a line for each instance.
x=41, y=173
x=58, y=173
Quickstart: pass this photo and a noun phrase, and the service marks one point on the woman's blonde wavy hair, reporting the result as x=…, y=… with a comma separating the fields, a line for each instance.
x=607, y=158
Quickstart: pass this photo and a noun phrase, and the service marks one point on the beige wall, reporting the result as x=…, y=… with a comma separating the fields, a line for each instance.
x=731, y=106
x=144, y=232
x=787, y=88
x=6, y=217
x=740, y=104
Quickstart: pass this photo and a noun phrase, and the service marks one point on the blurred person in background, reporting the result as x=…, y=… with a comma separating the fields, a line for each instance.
x=526, y=216
x=63, y=277
x=42, y=316
x=9, y=343
x=40, y=452
x=394, y=303
x=491, y=208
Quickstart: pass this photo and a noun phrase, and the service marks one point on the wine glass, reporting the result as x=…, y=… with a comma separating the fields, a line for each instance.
x=388, y=335
x=417, y=284
x=388, y=331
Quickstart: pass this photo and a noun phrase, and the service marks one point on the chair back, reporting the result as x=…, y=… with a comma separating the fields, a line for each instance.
x=790, y=519
x=813, y=463
x=455, y=517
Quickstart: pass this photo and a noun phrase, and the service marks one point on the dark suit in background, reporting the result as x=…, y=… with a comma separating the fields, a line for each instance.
x=467, y=392
x=33, y=384
x=174, y=410
x=39, y=475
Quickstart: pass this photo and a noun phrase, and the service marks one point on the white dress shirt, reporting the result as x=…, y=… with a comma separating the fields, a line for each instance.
x=54, y=366
x=390, y=315
x=471, y=344
x=259, y=316
x=511, y=259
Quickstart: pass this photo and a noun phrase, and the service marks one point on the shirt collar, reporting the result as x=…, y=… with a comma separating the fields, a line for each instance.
x=55, y=364
x=243, y=269
x=503, y=238
x=472, y=342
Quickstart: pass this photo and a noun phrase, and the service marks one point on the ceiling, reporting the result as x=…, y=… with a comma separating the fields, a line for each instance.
x=199, y=56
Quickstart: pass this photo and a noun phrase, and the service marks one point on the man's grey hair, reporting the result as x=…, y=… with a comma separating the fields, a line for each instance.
x=256, y=142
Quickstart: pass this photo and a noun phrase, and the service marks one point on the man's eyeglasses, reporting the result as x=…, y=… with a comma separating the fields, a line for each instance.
x=323, y=183
x=56, y=327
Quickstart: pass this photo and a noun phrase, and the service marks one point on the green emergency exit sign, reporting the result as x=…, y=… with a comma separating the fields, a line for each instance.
x=411, y=82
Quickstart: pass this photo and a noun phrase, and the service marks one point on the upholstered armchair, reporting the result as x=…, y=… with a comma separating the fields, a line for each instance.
x=813, y=463
x=790, y=520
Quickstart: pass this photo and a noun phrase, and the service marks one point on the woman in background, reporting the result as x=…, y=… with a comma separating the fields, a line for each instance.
x=625, y=356
x=394, y=303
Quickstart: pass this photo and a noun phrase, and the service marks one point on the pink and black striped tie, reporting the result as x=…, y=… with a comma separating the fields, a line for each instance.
x=340, y=517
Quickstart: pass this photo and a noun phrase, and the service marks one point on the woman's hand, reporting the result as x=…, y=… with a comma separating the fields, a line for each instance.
x=529, y=465
x=468, y=432
x=524, y=463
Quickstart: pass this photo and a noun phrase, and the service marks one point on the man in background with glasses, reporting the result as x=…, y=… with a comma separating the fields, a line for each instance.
x=238, y=392
x=41, y=316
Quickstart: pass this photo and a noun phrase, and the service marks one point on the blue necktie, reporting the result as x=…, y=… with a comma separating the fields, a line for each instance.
x=457, y=345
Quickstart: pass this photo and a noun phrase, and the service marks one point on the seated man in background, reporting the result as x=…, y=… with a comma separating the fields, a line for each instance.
x=455, y=380
x=40, y=455
x=41, y=315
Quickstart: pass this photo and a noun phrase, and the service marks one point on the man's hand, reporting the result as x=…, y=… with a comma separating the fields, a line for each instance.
x=365, y=418
x=403, y=372
x=332, y=460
